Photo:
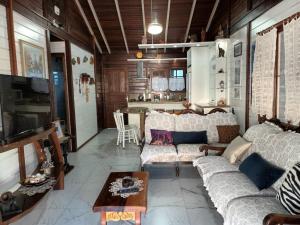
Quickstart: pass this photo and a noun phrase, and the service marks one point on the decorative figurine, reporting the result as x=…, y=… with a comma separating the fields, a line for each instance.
x=221, y=102
x=78, y=60
x=91, y=60
x=220, y=32
x=221, y=51
x=85, y=59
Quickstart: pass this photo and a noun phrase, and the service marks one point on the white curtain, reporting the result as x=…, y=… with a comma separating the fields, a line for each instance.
x=263, y=73
x=292, y=70
x=176, y=84
x=160, y=84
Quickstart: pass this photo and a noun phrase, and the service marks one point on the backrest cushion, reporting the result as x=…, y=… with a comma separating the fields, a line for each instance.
x=261, y=172
x=158, y=121
x=194, y=122
x=161, y=137
x=289, y=193
x=261, y=130
x=228, y=132
x=189, y=137
x=236, y=149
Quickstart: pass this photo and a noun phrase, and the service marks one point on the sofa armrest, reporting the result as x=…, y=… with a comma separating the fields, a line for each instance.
x=142, y=144
x=278, y=219
x=205, y=149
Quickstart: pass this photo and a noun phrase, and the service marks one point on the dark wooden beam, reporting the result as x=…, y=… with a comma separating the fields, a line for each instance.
x=22, y=165
x=3, y=2
x=71, y=96
x=249, y=5
x=11, y=38
x=248, y=77
x=253, y=14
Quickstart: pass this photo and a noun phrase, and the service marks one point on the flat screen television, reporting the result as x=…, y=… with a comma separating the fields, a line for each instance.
x=24, y=107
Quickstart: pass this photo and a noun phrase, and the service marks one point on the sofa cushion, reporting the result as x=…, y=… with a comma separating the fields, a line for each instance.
x=158, y=153
x=236, y=149
x=260, y=131
x=289, y=193
x=189, y=152
x=161, y=137
x=191, y=137
x=224, y=187
x=262, y=173
x=228, y=132
x=210, y=165
x=251, y=210
x=158, y=121
x=195, y=122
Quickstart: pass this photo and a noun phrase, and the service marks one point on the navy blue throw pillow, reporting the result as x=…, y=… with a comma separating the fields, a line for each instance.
x=197, y=137
x=262, y=173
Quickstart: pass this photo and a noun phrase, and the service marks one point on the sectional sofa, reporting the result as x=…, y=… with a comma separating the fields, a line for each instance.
x=235, y=196
x=182, y=153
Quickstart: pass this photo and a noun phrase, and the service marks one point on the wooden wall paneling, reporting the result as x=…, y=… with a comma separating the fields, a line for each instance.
x=11, y=38
x=3, y=2
x=71, y=96
x=99, y=90
x=248, y=77
x=34, y=5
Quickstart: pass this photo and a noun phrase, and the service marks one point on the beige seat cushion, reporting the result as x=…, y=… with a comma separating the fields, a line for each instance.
x=236, y=149
x=189, y=152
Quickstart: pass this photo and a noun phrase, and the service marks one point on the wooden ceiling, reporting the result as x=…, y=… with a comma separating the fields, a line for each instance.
x=132, y=18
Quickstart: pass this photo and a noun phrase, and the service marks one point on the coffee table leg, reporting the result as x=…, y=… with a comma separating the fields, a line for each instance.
x=103, y=218
x=137, y=218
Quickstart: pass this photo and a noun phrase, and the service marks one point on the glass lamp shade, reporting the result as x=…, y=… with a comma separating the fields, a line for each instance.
x=155, y=28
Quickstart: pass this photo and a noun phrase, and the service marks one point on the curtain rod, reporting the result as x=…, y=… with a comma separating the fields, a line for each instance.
x=280, y=23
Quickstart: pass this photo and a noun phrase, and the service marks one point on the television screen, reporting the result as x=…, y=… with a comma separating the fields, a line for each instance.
x=24, y=106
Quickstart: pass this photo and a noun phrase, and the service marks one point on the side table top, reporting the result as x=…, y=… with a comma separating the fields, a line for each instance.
x=107, y=202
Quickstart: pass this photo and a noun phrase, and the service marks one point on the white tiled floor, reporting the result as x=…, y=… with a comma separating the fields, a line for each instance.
x=171, y=200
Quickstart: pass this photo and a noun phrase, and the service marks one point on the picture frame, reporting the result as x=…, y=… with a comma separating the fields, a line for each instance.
x=236, y=93
x=238, y=49
x=237, y=72
x=33, y=60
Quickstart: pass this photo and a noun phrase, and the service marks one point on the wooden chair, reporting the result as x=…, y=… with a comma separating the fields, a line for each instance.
x=124, y=132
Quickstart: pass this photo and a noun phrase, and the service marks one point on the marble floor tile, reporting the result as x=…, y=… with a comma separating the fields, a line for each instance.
x=171, y=200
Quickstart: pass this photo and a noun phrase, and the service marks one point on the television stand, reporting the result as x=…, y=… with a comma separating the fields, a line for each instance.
x=58, y=171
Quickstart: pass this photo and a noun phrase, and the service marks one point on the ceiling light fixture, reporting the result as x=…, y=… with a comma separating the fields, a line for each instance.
x=154, y=27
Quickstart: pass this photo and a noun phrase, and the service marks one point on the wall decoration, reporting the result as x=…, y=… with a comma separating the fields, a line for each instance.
x=221, y=51
x=238, y=49
x=237, y=72
x=91, y=60
x=78, y=60
x=85, y=59
x=84, y=82
x=237, y=92
x=33, y=60
x=73, y=61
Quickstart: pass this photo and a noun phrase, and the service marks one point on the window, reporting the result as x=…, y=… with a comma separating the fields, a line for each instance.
x=177, y=73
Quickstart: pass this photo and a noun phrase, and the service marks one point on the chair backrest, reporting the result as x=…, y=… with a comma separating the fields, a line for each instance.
x=119, y=119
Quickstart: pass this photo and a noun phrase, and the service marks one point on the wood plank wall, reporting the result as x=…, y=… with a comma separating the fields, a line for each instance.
x=137, y=86
x=235, y=14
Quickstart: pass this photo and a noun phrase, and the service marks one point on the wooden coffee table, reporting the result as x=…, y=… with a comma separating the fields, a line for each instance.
x=114, y=208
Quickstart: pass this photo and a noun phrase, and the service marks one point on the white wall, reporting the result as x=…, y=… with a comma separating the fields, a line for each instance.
x=30, y=32
x=4, y=49
x=85, y=112
x=279, y=12
x=239, y=105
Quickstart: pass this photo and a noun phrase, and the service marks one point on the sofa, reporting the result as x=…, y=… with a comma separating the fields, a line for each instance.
x=235, y=196
x=182, y=153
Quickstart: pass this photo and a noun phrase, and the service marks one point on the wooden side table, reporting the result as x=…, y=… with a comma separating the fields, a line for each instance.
x=115, y=208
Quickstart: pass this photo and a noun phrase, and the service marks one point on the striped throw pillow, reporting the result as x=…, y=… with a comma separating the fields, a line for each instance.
x=289, y=193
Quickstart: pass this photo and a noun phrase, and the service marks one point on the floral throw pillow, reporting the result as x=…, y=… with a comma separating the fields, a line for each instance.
x=161, y=137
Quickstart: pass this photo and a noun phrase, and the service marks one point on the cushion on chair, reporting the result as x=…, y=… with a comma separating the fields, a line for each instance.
x=210, y=165
x=158, y=153
x=236, y=149
x=192, y=137
x=189, y=152
x=224, y=187
x=262, y=173
x=251, y=210
x=289, y=192
x=161, y=137
x=228, y=132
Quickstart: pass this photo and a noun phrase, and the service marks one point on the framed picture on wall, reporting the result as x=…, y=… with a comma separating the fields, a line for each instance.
x=238, y=48
x=33, y=60
x=237, y=93
x=237, y=72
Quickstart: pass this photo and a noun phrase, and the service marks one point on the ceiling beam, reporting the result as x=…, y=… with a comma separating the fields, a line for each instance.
x=99, y=25
x=212, y=15
x=190, y=22
x=167, y=23
x=88, y=25
x=121, y=24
